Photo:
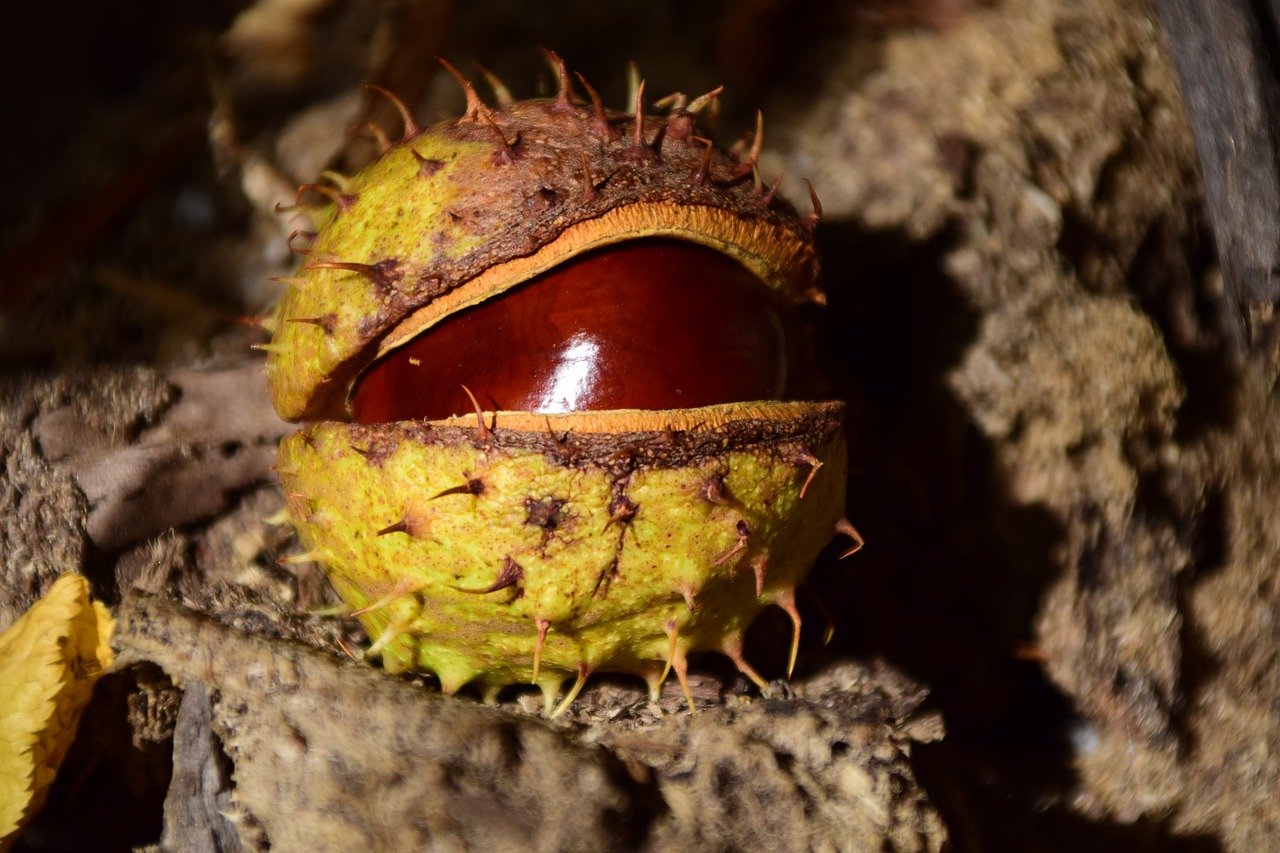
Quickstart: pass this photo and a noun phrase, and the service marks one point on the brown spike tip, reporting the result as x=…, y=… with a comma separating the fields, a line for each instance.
x=414, y=523
x=403, y=587
x=558, y=441
x=344, y=201
x=326, y=322
x=714, y=490
x=621, y=510
x=703, y=174
x=843, y=526
x=812, y=219
x=564, y=87
x=295, y=234
x=599, y=126
x=476, y=108
x=589, y=193
x=510, y=574
x=767, y=198
x=473, y=486
x=358, y=658
x=684, y=114
x=401, y=526
x=731, y=647
x=744, y=533
x=804, y=457
x=690, y=597
x=700, y=103
x=638, y=146
x=411, y=128
x=507, y=154
x=786, y=599
x=543, y=626
x=748, y=166
x=676, y=660
x=485, y=431
x=384, y=273
x=583, y=672
x=501, y=94
x=380, y=135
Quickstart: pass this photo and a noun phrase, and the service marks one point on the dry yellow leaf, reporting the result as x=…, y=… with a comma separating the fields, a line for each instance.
x=49, y=660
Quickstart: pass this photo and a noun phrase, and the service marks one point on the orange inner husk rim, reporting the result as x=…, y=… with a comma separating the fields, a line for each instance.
x=767, y=255
x=704, y=419
x=782, y=260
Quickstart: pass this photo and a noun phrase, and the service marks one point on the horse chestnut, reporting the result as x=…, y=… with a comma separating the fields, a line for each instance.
x=598, y=332
x=544, y=352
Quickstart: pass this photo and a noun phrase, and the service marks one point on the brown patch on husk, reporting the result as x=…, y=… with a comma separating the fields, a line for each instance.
x=618, y=439
x=621, y=439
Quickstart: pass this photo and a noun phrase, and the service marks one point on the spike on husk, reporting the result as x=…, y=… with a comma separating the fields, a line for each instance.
x=731, y=646
x=411, y=128
x=599, y=126
x=578, y=684
x=501, y=94
x=564, y=87
x=476, y=109
x=786, y=599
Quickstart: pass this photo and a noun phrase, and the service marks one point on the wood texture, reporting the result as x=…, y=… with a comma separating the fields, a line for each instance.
x=1222, y=50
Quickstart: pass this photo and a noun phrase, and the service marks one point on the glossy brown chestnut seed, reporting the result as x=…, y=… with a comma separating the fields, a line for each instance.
x=648, y=324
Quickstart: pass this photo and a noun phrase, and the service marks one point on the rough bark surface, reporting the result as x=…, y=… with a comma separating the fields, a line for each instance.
x=299, y=740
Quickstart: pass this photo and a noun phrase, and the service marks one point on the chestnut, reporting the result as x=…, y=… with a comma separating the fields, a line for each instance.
x=648, y=324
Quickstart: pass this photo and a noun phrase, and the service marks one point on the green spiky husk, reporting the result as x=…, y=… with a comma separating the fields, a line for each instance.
x=545, y=547
x=623, y=539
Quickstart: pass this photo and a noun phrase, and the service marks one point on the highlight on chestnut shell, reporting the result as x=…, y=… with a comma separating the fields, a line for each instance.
x=647, y=324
